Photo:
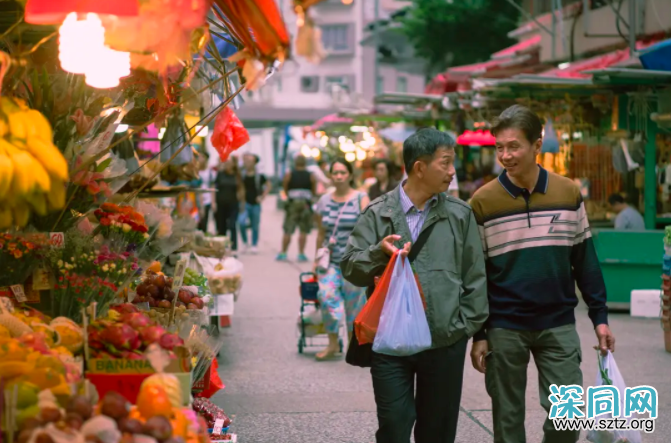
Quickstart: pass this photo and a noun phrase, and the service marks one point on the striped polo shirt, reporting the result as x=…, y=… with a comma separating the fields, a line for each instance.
x=537, y=246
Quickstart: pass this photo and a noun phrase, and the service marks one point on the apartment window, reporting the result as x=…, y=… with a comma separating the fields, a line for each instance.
x=336, y=38
x=401, y=84
x=341, y=80
x=310, y=84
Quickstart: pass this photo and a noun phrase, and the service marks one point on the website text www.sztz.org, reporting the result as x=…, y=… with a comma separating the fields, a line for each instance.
x=646, y=425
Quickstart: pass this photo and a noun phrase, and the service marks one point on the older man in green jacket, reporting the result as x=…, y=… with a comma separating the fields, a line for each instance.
x=451, y=271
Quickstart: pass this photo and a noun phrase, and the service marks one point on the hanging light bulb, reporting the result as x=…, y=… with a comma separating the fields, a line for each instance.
x=79, y=42
x=107, y=68
x=82, y=50
x=350, y=156
x=316, y=153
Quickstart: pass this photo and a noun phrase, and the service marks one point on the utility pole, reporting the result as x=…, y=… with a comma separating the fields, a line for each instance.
x=376, y=45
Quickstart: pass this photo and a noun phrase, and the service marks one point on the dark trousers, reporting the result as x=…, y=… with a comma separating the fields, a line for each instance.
x=227, y=219
x=557, y=355
x=202, y=225
x=435, y=407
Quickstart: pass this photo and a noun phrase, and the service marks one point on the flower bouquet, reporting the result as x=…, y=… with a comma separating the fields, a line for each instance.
x=18, y=254
x=124, y=221
x=89, y=271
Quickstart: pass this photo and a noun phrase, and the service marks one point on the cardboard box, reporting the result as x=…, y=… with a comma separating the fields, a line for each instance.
x=126, y=376
x=646, y=303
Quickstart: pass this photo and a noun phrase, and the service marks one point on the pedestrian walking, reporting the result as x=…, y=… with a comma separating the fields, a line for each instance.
x=299, y=186
x=383, y=180
x=230, y=195
x=207, y=177
x=451, y=272
x=538, y=245
x=336, y=213
x=257, y=187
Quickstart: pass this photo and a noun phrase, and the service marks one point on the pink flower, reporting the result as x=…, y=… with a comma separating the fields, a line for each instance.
x=83, y=122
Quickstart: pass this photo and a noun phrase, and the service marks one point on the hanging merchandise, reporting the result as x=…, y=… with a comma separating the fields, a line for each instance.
x=550, y=139
x=229, y=133
x=309, y=37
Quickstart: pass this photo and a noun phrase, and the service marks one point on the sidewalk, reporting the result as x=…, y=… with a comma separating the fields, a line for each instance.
x=279, y=396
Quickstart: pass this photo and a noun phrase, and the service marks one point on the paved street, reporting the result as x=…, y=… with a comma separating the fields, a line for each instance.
x=276, y=395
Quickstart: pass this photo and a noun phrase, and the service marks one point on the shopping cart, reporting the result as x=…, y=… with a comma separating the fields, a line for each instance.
x=307, y=331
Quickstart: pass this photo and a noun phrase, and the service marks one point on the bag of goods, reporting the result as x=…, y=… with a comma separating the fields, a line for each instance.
x=226, y=277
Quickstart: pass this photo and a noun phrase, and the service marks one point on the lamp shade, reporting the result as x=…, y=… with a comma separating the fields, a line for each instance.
x=52, y=12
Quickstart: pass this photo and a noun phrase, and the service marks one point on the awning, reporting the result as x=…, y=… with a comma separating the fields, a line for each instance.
x=576, y=69
x=477, y=138
x=522, y=47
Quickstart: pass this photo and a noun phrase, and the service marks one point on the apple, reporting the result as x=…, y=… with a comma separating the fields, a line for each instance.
x=159, y=281
x=191, y=306
x=185, y=296
x=164, y=304
x=198, y=302
x=168, y=294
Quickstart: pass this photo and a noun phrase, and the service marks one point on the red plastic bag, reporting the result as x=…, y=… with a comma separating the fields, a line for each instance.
x=365, y=324
x=215, y=384
x=229, y=133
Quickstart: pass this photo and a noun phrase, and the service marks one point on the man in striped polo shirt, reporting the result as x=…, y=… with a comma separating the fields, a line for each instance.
x=537, y=246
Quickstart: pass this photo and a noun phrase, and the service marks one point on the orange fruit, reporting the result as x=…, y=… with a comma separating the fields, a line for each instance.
x=155, y=267
x=153, y=401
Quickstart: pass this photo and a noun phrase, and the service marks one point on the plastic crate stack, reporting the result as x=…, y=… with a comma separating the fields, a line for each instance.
x=665, y=299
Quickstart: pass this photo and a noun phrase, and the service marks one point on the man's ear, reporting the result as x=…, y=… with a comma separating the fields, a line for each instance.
x=537, y=146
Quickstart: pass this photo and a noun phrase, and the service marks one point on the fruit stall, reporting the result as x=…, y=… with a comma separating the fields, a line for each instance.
x=111, y=299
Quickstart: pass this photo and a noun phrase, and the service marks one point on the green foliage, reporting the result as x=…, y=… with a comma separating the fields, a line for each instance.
x=459, y=32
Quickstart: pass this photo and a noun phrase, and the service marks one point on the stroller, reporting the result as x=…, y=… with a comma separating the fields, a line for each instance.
x=309, y=323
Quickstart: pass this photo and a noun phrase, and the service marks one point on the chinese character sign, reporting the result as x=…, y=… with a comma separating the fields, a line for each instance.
x=566, y=401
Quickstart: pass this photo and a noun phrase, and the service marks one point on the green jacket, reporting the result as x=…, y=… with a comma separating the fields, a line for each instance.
x=451, y=266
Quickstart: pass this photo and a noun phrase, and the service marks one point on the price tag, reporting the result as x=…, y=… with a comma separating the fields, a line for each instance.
x=218, y=426
x=41, y=280
x=178, y=279
x=57, y=239
x=18, y=293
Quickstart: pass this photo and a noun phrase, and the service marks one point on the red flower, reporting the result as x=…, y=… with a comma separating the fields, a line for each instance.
x=105, y=221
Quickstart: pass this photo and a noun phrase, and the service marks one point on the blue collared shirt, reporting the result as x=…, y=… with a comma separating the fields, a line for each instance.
x=414, y=216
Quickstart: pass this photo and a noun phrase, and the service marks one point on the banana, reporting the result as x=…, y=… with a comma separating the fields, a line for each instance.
x=42, y=179
x=21, y=214
x=56, y=197
x=5, y=218
x=18, y=126
x=23, y=179
x=51, y=158
x=41, y=124
x=6, y=172
x=4, y=129
x=38, y=201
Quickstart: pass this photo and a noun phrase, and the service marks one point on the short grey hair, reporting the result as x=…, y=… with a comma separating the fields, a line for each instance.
x=423, y=144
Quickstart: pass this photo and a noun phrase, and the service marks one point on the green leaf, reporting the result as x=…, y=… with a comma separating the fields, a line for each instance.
x=103, y=165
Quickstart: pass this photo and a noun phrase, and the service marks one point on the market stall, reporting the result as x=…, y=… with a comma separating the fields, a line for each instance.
x=110, y=298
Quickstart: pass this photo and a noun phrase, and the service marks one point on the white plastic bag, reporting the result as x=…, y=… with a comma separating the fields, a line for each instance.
x=403, y=328
x=608, y=368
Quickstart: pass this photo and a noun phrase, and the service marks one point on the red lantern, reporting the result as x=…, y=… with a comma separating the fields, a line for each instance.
x=53, y=12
